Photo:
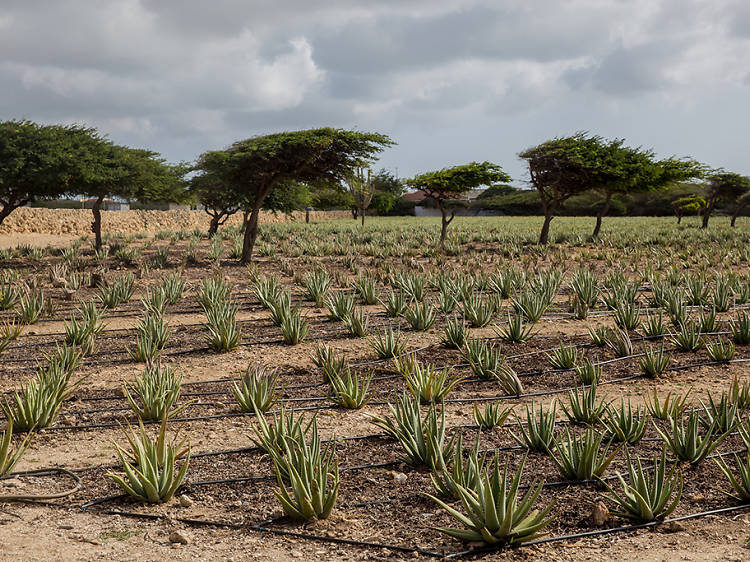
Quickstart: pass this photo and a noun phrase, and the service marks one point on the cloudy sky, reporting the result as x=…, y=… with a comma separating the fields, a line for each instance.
x=450, y=81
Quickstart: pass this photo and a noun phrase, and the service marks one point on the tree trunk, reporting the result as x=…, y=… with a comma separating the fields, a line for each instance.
x=251, y=233
x=307, y=216
x=8, y=209
x=96, y=226
x=603, y=211
x=354, y=214
x=679, y=218
x=706, y=215
x=544, y=236
x=213, y=227
x=445, y=221
x=362, y=214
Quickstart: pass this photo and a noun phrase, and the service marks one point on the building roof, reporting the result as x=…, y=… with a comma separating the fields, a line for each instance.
x=415, y=196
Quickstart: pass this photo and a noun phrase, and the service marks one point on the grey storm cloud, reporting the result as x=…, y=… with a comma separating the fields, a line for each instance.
x=450, y=81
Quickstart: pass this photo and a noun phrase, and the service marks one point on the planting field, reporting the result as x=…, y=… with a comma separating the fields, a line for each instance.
x=376, y=356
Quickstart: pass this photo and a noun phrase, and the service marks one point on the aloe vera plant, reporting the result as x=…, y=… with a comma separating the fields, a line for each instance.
x=538, y=433
x=583, y=406
x=619, y=342
x=588, y=373
x=221, y=323
x=420, y=316
x=494, y=512
x=651, y=494
x=357, y=322
x=740, y=483
x=625, y=424
x=563, y=357
x=152, y=336
x=582, y=458
x=462, y=472
x=395, y=304
x=483, y=357
x=671, y=407
x=429, y=384
x=294, y=327
x=740, y=328
x=9, y=457
x=514, y=331
x=256, y=391
x=654, y=361
x=329, y=361
x=686, y=442
x=721, y=351
x=340, y=305
x=422, y=438
x=157, y=392
x=9, y=332
x=688, y=338
x=479, y=311
x=388, y=343
x=723, y=414
x=455, y=333
x=307, y=475
x=349, y=390
x=40, y=399
x=492, y=416
x=151, y=473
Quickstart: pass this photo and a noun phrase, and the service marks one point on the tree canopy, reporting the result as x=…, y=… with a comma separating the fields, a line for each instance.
x=104, y=169
x=254, y=167
x=723, y=185
x=452, y=183
x=35, y=161
x=563, y=167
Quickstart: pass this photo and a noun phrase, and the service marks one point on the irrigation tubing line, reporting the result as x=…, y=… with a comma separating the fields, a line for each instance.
x=599, y=532
x=535, y=372
x=261, y=527
x=42, y=472
x=384, y=403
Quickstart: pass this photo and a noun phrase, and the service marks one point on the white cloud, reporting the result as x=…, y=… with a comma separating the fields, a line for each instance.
x=183, y=76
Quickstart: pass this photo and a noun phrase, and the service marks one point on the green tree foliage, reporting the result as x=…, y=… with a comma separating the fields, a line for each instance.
x=104, y=169
x=559, y=169
x=255, y=167
x=727, y=186
x=217, y=198
x=742, y=202
x=332, y=197
x=388, y=189
x=451, y=183
x=287, y=197
x=623, y=170
x=35, y=161
x=564, y=167
x=688, y=204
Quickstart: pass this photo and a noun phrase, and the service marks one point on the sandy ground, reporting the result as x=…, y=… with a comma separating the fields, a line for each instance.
x=45, y=533
x=35, y=239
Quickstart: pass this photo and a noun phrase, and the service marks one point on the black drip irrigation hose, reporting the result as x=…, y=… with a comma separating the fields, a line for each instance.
x=258, y=527
x=599, y=532
x=385, y=403
x=263, y=527
x=41, y=472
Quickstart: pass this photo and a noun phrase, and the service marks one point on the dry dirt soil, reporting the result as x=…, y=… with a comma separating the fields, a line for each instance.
x=381, y=498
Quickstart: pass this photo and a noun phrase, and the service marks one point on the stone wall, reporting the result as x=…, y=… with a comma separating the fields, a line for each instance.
x=77, y=222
